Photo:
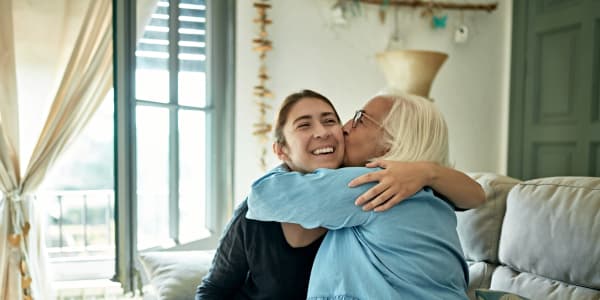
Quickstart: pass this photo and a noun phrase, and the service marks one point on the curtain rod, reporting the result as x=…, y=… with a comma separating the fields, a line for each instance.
x=434, y=4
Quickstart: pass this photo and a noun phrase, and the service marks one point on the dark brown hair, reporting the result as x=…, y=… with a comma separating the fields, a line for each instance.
x=286, y=106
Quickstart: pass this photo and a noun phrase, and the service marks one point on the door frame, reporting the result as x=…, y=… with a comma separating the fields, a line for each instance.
x=518, y=76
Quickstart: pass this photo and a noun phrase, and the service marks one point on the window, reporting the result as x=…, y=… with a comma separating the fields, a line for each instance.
x=174, y=126
x=78, y=197
x=171, y=115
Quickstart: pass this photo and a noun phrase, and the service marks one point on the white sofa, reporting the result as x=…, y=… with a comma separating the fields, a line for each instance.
x=539, y=239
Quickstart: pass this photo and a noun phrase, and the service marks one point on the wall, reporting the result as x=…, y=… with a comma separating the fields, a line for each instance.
x=471, y=89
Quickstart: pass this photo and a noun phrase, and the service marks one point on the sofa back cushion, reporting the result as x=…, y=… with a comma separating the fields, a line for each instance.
x=479, y=229
x=551, y=234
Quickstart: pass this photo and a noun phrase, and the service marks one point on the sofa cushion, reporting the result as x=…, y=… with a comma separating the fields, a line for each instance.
x=175, y=274
x=479, y=229
x=552, y=229
x=537, y=287
x=485, y=294
x=480, y=276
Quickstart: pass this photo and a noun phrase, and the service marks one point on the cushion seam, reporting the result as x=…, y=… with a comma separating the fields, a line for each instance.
x=518, y=271
x=560, y=185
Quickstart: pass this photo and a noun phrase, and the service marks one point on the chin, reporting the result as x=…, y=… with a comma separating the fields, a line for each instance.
x=328, y=165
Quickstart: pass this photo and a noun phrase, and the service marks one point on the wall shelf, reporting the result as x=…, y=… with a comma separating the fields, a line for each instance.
x=489, y=7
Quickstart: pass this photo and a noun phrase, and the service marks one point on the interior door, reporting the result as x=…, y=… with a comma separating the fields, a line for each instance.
x=555, y=89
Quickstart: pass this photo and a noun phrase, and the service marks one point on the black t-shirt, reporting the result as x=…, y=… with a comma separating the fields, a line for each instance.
x=254, y=261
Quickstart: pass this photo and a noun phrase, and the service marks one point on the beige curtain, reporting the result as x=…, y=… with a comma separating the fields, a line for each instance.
x=82, y=85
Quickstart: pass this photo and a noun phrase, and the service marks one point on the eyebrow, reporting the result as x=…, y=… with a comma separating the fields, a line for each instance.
x=308, y=117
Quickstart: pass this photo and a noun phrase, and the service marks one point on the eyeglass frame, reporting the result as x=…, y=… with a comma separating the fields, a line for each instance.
x=361, y=113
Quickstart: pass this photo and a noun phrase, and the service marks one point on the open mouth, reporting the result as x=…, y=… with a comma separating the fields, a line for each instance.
x=323, y=150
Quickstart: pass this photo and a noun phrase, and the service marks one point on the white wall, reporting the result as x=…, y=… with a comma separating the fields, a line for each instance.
x=471, y=89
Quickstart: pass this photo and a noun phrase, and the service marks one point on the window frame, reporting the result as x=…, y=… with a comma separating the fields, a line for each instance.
x=220, y=87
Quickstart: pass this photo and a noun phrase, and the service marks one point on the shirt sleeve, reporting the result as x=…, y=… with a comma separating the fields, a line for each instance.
x=318, y=199
x=229, y=268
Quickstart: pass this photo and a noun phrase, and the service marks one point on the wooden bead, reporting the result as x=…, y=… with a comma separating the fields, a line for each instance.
x=23, y=267
x=26, y=228
x=262, y=5
x=262, y=21
x=263, y=48
x=26, y=282
x=14, y=239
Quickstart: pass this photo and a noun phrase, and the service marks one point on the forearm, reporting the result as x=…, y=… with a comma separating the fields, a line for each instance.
x=320, y=199
x=298, y=236
x=210, y=290
x=459, y=188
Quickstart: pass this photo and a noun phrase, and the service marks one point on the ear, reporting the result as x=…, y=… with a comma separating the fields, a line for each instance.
x=280, y=151
x=387, y=149
x=383, y=149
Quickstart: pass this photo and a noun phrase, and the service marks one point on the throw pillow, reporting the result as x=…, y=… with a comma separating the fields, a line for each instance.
x=175, y=274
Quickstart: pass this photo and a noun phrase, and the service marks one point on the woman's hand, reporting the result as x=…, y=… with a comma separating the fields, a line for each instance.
x=397, y=181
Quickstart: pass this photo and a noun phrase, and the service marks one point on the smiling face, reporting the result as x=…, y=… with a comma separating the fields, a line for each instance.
x=363, y=140
x=313, y=137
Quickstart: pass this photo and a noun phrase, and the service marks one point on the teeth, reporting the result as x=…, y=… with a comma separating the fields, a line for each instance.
x=323, y=150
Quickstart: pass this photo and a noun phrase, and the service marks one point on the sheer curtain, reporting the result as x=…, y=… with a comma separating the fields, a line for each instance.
x=72, y=67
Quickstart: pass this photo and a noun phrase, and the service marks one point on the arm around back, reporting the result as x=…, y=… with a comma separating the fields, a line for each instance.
x=318, y=199
x=399, y=180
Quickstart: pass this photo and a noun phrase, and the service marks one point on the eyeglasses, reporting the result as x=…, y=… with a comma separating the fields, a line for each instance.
x=360, y=114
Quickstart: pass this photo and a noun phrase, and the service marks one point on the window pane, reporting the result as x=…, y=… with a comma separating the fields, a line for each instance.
x=192, y=175
x=82, y=173
x=192, y=53
x=152, y=85
x=72, y=217
x=98, y=217
x=152, y=133
x=192, y=87
x=152, y=56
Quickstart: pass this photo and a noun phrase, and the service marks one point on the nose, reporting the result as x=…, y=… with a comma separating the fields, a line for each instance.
x=347, y=127
x=321, y=131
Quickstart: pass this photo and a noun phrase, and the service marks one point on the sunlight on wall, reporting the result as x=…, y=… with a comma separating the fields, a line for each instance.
x=471, y=89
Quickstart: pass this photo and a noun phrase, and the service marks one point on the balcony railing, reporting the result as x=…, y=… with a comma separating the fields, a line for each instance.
x=80, y=224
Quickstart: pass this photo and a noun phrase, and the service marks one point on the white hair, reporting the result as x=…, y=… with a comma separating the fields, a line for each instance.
x=418, y=131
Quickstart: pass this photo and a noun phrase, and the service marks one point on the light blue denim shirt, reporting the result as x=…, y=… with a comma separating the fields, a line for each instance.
x=411, y=251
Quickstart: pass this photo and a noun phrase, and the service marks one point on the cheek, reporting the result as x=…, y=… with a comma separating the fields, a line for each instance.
x=300, y=145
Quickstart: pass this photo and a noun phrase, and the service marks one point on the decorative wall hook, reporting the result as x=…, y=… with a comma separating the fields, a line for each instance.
x=439, y=22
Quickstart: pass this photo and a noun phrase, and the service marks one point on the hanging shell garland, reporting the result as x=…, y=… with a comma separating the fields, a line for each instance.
x=262, y=94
